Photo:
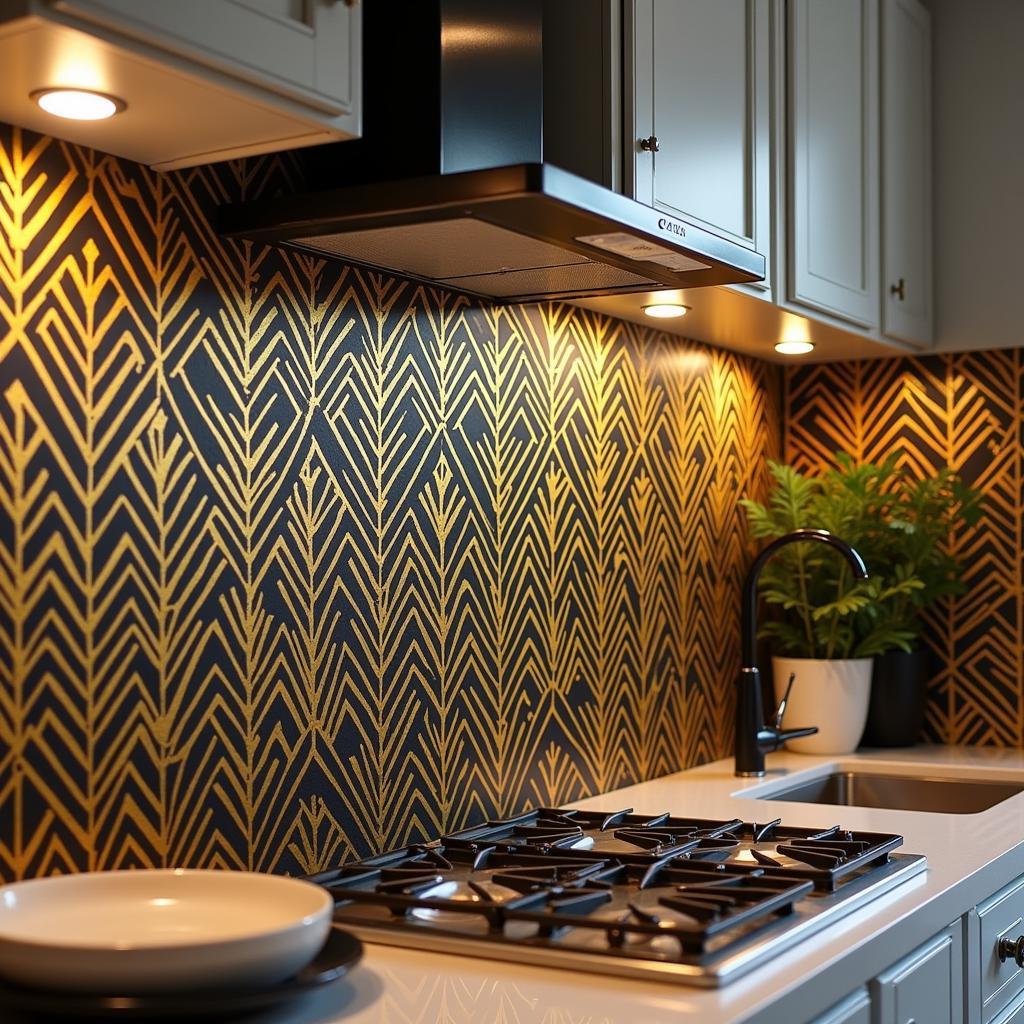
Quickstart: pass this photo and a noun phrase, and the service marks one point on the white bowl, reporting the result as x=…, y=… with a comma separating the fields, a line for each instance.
x=126, y=932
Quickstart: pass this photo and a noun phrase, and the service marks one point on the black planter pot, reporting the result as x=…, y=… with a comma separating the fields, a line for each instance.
x=898, y=689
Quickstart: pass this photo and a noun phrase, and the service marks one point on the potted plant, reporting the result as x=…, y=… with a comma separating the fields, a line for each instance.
x=828, y=626
x=913, y=540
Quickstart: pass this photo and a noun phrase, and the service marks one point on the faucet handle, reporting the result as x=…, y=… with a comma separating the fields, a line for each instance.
x=773, y=736
x=785, y=700
x=785, y=735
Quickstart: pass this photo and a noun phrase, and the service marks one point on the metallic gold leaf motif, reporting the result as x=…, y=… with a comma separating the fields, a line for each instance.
x=299, y=561
x=965, y=411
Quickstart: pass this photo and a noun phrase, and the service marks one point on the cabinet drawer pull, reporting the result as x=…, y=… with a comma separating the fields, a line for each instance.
x=898, y=289
x=1011, y=949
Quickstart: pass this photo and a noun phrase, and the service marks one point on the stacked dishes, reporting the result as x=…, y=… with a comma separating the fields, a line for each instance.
x=124, y=940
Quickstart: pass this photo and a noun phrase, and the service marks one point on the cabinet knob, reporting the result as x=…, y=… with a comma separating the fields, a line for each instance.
x=898, y=289
x=1011, y=949
x=650, y=144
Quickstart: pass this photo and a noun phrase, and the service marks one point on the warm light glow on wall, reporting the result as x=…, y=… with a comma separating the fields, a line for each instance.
x=795, y=337
x=78, y=104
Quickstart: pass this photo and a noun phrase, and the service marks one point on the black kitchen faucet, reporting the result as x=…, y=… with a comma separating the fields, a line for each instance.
x=754, y=738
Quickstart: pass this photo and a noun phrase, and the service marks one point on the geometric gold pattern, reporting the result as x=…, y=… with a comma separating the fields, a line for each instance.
x=299, y=562
x=964, y=411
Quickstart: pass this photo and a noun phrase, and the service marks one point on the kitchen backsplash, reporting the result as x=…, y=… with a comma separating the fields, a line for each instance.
x=965, y=411
x=299, y=561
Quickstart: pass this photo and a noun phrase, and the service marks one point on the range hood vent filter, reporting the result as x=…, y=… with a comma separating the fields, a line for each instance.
x=471, y=255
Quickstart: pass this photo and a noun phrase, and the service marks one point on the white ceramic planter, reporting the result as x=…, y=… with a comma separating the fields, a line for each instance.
x=833, y=695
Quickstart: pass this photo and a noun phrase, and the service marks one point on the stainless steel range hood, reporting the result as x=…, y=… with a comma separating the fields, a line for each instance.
x=450, y=183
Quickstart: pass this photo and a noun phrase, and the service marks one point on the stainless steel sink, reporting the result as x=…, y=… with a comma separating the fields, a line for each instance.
x=899, y=792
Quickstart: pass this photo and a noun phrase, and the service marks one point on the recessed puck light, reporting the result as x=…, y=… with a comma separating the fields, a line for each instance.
x=78, y=104
x=794, y=348
x=666, y=310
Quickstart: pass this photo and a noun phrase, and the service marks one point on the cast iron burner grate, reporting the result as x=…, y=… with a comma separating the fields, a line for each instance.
x=626, y=887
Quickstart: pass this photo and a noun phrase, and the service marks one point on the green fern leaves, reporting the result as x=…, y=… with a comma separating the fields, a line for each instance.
x=900, y=525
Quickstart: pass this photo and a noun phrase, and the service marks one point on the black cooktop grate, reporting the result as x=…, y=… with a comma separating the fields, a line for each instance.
x=653, y=887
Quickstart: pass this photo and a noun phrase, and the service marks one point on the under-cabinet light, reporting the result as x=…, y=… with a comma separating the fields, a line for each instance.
x=78, y=104
x=666, y=310
x=794, y=348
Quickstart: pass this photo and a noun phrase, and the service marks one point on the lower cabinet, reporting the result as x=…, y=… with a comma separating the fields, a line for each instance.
x=925, y=987
x=972, y=972
x=998, y=924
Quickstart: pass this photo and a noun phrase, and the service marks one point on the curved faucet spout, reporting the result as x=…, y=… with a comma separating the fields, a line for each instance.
x=749, y=612
x=754, y=738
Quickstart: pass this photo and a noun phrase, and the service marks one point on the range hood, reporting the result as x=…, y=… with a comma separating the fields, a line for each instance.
x=472, y=176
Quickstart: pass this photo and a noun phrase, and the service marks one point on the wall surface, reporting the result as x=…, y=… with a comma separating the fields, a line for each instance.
x=965, y=412
x=299, y=561
x=978, y=82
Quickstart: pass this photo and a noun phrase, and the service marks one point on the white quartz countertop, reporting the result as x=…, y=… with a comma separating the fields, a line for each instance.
x=969, y=856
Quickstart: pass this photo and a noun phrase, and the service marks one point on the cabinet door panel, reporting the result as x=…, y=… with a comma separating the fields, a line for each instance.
x=925, y=987
x=702, y=167
x=906, y=171
x=702, y=87
x=833, y=251
x=308, y=47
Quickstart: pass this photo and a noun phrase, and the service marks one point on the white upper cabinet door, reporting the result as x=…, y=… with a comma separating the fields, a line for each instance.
x=306, y=50
x=833, y=251
x=906, y=172
x=701, y=87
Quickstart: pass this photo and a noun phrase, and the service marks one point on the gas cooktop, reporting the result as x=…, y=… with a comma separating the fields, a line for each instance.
x=679, y=899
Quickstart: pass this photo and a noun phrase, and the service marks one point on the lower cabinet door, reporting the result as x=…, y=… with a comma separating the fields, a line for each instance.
x=854, y=1009
x=925, y=987
x=1000, y=919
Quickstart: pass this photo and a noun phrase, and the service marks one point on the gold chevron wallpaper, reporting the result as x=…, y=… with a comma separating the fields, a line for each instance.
x=965, y=411
x=299, y=562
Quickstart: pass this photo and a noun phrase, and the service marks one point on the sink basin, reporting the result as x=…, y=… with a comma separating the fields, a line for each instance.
x=899, y=792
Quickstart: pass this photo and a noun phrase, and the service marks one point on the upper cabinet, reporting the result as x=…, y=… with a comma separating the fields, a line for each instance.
x=834, y=165
x=202, y=80
x=906, y=172
x=800, y=128
x=700, y=147
x=860, y=201
x=297, y=48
